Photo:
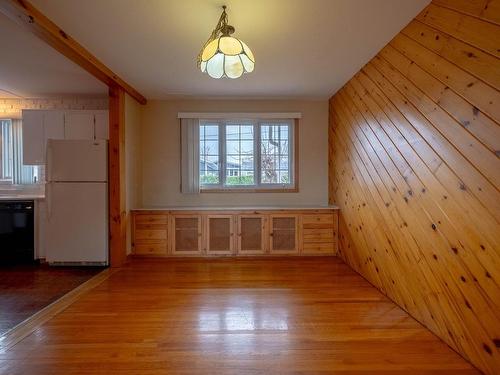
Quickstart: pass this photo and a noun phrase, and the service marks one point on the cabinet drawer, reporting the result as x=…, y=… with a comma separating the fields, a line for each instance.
x=318, y=235
x=319, y=248
x=152, y=248
x=150, y=227
x=314, y=220
x=150, y=234
x=150, y=219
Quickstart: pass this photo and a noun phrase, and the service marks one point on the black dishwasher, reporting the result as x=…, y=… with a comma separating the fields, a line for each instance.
x=17, y=228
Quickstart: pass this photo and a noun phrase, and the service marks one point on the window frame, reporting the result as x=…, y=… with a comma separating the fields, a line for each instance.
x=37, y=170
x=258, y=186
x=3, y=179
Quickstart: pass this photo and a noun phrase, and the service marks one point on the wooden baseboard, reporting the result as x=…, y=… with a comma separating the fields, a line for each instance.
x=28, y=326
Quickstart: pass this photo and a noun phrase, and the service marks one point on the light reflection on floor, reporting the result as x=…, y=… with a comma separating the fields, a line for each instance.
x=246, y=318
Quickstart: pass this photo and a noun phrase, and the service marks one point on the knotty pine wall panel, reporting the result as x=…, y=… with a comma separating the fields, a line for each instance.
x=414, y=166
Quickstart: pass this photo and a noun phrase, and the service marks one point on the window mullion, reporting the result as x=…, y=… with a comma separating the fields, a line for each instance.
x=222, y=152
x=257, y=157
x=291, y=155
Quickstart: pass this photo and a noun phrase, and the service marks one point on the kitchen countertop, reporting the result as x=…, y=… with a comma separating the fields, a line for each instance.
x=20, y=197
x=22, y=192
x=237, y=208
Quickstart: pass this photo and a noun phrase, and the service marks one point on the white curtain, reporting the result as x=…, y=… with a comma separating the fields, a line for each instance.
x=190, y=156
x=21, y=174
x=12, y=154
x=6, y=146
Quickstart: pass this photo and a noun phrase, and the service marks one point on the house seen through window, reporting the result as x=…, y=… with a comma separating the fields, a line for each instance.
x=246, y=154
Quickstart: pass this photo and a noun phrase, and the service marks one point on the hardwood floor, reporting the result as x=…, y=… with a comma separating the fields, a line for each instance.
x=26, y=289
x=233, y=316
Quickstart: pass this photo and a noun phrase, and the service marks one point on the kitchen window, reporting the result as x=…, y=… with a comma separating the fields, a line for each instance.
x=12, y=169
x=247, y=155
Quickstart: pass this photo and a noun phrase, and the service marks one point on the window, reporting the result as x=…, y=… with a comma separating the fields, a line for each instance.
x=12, y=170
x=251, y=154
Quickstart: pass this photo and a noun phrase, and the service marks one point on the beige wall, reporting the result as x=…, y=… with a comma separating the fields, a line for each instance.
x=132, y=159
x=160, y=131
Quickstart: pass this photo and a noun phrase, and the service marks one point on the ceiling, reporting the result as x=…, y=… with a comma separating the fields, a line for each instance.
x=303, y=48
x=29, y=68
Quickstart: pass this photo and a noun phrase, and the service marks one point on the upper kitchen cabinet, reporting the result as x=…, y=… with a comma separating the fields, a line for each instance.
x=79, y=125
x=53, y=125
x=101, y=125
x=33, y=138
x=41, y=125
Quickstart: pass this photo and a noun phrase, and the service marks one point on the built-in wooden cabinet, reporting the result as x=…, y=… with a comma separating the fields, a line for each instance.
x=252, y=234
x=234, y=233
x=41, y=125
x=284, y=234
x=150, y=234
x=186, y=234
x=319, y=233
x=219, y=234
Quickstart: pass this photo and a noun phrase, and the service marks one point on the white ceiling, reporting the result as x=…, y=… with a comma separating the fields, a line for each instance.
x=29, y=68
x=303, y=48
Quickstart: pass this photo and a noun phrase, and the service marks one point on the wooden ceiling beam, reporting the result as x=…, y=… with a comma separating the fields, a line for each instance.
x=25, y=14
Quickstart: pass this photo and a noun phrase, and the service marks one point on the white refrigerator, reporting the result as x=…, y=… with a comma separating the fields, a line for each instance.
x=77, y=202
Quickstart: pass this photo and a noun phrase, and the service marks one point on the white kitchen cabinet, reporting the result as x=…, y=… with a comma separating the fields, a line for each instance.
x=101, y=126
x=41, y=125
x=79, y=125
x=33, y=137
x=53, y=124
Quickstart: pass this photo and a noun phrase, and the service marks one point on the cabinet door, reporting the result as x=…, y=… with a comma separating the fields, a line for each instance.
x=219, y=235
x=79, y=125
x=101, y=129
x=186, y=234
x=284, y=234
x=53, y=125
x=33, y=137
x=252, y=234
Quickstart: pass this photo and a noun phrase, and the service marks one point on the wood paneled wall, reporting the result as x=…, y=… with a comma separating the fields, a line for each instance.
x=414, y=166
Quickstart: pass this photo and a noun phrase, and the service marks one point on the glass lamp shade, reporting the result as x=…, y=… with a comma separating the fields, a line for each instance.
x=227, y=57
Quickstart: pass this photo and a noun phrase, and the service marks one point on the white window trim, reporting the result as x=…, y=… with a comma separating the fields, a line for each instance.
x=240, y=115
x=258, y=186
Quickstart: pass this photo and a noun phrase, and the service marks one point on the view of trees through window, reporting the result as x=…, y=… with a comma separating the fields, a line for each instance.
x=209, y=154
x=239, y=154
x=274, y=143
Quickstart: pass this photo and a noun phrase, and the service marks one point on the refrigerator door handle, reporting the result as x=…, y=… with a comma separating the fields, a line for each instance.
x=48, y=200
x=48, y=161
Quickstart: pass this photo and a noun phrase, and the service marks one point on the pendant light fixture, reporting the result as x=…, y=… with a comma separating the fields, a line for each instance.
x=224, y=55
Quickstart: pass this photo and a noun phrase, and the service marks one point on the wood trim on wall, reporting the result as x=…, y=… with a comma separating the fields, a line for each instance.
x=414, y=141
x=116, y=179
x=26, y=15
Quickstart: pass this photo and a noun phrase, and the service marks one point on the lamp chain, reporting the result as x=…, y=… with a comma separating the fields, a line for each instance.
x=221, y=25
